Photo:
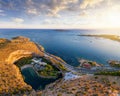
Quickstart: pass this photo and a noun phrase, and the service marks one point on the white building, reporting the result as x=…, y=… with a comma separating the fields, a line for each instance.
x=38, y=64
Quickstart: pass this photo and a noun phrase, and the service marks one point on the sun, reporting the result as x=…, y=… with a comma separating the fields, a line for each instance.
x=108, y=19
x=114, y=18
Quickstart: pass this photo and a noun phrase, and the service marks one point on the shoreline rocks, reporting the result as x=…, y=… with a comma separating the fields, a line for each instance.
x=114, y=63
x=88, y=64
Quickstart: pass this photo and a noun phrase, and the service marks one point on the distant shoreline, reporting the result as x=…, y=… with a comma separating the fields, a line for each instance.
x=106, y=36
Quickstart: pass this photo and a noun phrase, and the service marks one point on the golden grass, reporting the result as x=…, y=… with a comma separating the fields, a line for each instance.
x=85, y=86
x=11, y=80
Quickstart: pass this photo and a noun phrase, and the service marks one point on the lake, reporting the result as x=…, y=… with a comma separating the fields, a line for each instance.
x=69, y=46
x=33, y=79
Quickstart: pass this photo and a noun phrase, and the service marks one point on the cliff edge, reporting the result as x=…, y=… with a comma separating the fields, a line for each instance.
x=11, y=80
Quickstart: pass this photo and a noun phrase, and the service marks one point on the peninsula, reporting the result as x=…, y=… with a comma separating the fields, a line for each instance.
x=106, y=36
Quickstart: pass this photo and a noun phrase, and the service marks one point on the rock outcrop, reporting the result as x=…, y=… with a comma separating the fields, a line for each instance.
x=20, y=39
x=3, y=40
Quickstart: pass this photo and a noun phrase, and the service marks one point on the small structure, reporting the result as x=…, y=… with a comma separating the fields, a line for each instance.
x=35, y=60
x=87, y=65
x=38, y=64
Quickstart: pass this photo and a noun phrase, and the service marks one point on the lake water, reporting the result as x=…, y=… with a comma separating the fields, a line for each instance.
x=69, y=46
x=32, y=78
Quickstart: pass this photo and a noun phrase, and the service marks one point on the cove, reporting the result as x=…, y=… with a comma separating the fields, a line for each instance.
x=33, y=79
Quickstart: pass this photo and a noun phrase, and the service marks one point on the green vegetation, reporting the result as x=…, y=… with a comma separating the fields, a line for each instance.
x=46, y=60
x=52, y=61
x=116, y=65
x=23, y=61
x=92, y=63
x=115, y=73
x=49, y=71
x=62, y=67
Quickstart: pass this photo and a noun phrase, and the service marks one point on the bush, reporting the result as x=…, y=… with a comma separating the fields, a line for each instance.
x=23, y=61
x=115, y=73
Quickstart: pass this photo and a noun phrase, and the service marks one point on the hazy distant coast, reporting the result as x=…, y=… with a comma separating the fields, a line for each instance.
x=106, y=36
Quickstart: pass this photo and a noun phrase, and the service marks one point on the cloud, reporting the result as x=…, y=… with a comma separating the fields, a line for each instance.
x=37, y=7
x=84, y=14
x=56, y=15
x=2, y=13
x=32, y=11
x=18, y=20
x=65, y=11
x=47, y=21
x=89, y=3
x=48, y=7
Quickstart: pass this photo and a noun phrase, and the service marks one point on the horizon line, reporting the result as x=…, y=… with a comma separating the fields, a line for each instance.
x=66, y=28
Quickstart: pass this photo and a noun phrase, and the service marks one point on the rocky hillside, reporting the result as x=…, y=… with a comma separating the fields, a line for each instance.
x=11, y=80
x=85, y=86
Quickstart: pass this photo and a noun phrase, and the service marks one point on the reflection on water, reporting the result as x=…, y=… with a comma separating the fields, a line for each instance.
x=69, y=46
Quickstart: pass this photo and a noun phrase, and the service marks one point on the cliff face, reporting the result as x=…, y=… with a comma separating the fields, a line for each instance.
x=11, y=80
x=16, y=55
x=19, y=43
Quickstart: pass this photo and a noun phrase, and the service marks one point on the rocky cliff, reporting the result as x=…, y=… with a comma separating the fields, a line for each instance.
x=11, y=80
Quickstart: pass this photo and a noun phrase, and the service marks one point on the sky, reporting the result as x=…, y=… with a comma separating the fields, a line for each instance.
x=80, y=14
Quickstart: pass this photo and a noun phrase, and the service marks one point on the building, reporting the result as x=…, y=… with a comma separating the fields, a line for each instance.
x=38, y=64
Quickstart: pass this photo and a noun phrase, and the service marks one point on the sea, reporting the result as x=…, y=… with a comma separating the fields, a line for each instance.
x=68, y=45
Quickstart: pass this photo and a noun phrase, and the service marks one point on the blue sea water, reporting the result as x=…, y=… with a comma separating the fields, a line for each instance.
x=69, y=46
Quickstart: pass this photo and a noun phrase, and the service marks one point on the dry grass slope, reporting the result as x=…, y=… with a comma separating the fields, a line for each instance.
x=85, y=86
x=11, y=80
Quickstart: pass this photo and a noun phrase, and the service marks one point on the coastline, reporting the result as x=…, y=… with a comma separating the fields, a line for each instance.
x=13, y=50
x=36, y=50
x=105, y=36
x=31, y=66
